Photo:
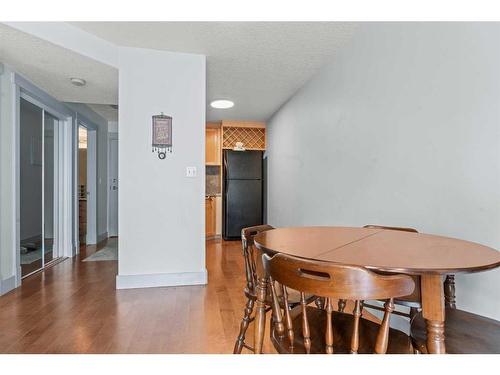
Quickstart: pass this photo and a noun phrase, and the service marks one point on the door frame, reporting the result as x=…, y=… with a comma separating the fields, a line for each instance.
x=62, y=215
x=112, y=137
x=91, y=237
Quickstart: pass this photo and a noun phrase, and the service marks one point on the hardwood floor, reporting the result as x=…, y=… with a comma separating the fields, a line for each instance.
x=73, y=307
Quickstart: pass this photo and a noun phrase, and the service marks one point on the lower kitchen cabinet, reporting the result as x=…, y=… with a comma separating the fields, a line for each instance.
x=210, y=219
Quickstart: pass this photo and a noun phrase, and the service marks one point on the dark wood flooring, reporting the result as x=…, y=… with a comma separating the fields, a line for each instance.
x=73, y=307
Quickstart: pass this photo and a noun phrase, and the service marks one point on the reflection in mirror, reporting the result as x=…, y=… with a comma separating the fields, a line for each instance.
x=50, y=156
x=30, y=189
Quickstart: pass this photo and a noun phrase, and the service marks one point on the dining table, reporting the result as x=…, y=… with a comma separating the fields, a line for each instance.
x=431, y=257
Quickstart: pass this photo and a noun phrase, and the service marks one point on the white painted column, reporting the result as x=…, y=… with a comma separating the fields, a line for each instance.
x=8, y=215
x=161, y=211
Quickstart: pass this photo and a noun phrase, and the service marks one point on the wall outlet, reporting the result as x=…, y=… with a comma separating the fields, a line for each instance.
x=191, y=172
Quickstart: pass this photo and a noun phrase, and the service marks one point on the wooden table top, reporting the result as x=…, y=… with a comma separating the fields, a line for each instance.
x=380, y=249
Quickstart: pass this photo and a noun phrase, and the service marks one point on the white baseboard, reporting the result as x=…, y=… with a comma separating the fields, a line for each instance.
x=161, y=279
x=7, y=285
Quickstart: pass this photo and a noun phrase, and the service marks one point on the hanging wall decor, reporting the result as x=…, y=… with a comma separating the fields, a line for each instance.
x=162, y=135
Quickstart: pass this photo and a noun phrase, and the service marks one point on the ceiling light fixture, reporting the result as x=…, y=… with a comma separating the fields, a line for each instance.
x=222, y=104
x=78, y=81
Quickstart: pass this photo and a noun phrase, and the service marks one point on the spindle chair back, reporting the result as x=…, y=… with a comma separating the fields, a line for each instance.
x=336, y=281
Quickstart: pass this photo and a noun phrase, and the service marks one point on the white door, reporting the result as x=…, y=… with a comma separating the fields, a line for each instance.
x=113, y=188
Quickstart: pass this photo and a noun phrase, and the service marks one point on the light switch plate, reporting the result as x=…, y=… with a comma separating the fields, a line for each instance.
x=191, y=172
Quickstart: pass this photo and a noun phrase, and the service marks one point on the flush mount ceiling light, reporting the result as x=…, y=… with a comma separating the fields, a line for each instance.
x=78, y=81
x=222, y=104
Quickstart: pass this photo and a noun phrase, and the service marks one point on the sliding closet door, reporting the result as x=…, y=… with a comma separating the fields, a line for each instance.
x=49, y=186
x=30, y=189
x=39, y=184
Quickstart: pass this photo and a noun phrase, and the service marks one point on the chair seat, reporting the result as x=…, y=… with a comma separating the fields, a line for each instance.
x=465, y=333
x=399, y=343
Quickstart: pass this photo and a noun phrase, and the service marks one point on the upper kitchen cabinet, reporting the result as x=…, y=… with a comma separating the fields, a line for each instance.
x=212, y=146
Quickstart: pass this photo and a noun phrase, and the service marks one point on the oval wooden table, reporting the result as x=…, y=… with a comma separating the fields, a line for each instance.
x=382, y=250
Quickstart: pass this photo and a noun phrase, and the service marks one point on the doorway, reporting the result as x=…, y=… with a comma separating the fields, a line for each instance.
x=82, y=184
x=38, y=184
x=87, y=184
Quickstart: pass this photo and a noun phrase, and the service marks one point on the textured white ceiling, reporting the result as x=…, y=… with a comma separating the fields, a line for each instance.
x=258, y=65
x=50, y=67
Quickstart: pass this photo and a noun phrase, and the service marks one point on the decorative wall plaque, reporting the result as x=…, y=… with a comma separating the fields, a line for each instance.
x=162, y=135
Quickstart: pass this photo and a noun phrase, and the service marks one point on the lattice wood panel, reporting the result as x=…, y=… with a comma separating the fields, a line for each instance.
x=252, y=138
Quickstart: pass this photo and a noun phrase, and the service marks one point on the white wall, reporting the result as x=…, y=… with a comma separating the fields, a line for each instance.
x=113, y=126
x=7, y=174
x=403, y=128
x=161, y=212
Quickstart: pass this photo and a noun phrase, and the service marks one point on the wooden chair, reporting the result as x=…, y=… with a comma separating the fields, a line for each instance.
x=413, y=301
x=314, y=330
x=465, y=332
x=273, y=296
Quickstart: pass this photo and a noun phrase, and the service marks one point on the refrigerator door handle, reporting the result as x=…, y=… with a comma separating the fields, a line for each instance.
x=225, y=166
x=226, y=180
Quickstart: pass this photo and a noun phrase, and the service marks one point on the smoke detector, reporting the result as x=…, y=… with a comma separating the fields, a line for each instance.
x=78, y=81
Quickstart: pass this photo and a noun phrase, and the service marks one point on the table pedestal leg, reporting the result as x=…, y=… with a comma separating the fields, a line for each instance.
x=260, y=314
x=435, y=337
x=433, y=312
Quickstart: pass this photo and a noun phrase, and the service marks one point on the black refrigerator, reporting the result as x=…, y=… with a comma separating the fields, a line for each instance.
x=242, y=192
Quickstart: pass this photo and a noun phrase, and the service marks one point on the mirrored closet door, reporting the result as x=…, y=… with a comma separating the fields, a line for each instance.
x=38, y=160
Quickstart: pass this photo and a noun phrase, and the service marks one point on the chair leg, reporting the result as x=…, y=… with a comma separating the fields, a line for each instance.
x=240, y=341
x=320, y=303
x=277, y=319
x=449, y=291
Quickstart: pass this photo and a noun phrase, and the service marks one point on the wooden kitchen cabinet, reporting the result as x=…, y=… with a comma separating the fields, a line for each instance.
x=212, y=146
x=210, y=220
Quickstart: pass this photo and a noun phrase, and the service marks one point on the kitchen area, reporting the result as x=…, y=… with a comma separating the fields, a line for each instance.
x=234, y=192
